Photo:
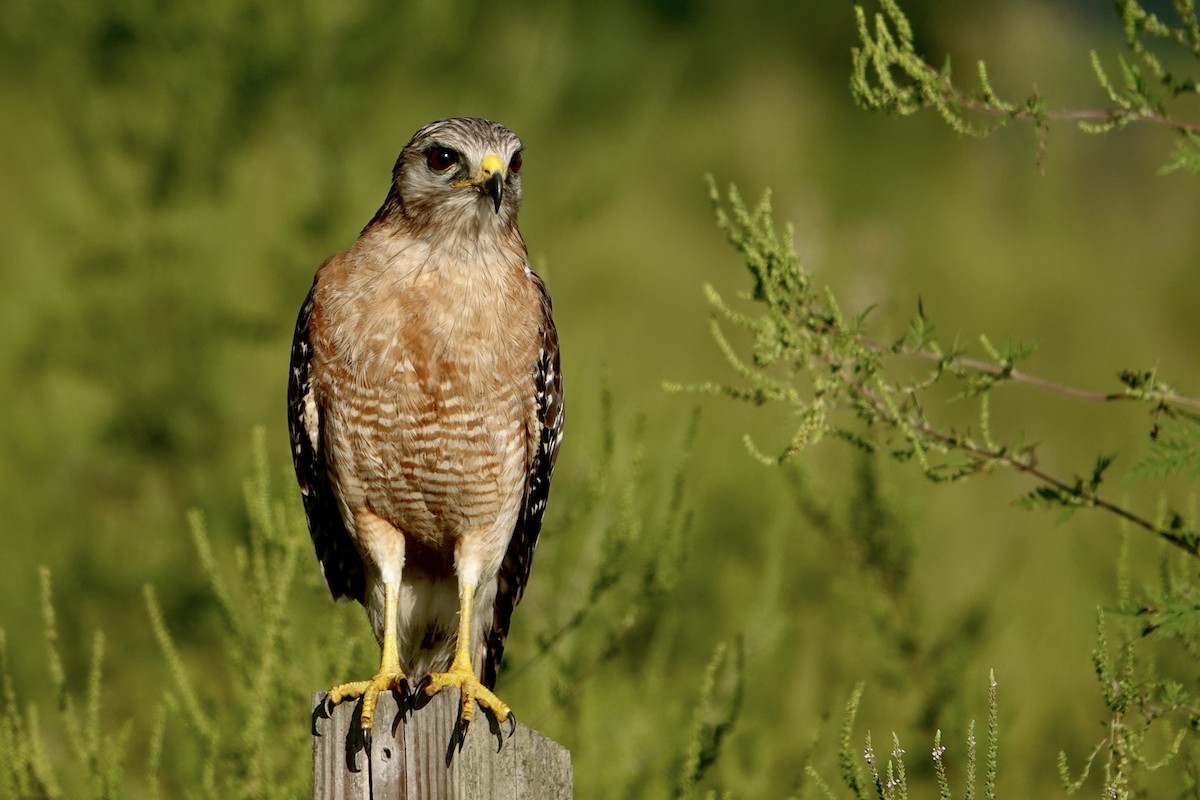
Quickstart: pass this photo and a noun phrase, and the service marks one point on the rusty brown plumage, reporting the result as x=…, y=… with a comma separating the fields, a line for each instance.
x=425, y=409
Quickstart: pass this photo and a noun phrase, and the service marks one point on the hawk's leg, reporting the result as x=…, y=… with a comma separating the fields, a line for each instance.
x=389, y=677
x=462, y=673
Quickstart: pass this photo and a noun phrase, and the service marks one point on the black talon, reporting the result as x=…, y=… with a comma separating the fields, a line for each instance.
x=419, y=699
x=511, y=719
x=463, y=726
x=366, y=733
x=457, y=737
x=320, y=711
x=404, y=697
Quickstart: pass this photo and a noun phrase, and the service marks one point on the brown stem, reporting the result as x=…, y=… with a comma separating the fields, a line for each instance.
x=1026, y=465
x=1079, y=115
x=1030, y=467
x=1072, y=115
x=997, y=371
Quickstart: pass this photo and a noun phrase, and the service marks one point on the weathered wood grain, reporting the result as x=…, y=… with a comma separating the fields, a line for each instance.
x=408, y=758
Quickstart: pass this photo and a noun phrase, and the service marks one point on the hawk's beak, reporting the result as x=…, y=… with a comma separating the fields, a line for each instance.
x=491, y=179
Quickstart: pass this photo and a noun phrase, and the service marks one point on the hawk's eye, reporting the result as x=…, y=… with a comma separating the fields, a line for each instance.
x=514, y=166
x=441, y=159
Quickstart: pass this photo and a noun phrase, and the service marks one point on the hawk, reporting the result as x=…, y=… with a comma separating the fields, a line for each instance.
x=425, y=408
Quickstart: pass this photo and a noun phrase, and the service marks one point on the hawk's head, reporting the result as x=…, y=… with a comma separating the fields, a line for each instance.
x=460, y=173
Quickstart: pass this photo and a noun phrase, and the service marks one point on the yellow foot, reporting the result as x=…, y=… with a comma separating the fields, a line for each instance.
x=369, y=690
x=473, y=691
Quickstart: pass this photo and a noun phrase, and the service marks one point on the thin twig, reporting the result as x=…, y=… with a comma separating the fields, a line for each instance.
x=1073, y=115
x=1028, y=466
x=1011, y=373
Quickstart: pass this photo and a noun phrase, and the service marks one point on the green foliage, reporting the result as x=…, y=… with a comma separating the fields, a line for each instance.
x=837, y=380
x=241, y=724
x=889, y=780
x=904, y=398
x=1174, y=449
x=710, y=723
x=892, y=782
x=1154, y=708
x=891, y=76
x=254, y=749
x=97, y=757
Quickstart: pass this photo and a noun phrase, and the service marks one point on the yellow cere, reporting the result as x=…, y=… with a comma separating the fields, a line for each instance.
x=490, y=165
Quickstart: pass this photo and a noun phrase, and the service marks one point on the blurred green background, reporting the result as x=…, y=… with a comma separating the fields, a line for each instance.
x=173, y=173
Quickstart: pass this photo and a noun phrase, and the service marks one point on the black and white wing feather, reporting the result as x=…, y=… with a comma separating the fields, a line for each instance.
x=546, y=435
x=340, y=559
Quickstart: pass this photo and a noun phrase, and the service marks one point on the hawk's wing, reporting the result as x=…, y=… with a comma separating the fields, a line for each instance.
x=547, y=434
x=340, y=560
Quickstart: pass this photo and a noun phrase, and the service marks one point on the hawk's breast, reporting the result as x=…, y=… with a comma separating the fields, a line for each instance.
x=429, y=398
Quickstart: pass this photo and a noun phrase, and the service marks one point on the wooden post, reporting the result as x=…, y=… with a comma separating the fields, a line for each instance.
x=408, y=756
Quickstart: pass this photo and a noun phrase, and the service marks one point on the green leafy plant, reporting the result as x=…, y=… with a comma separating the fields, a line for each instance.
x=839, y=381
x=888, y=779
x=27, y=769
x=1154, y=707
x=810, y=359
x=921, y=401
x=711, y=722
x=891, y=76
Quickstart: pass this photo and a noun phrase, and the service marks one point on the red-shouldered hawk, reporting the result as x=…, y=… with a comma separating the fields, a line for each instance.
x=425, y=408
